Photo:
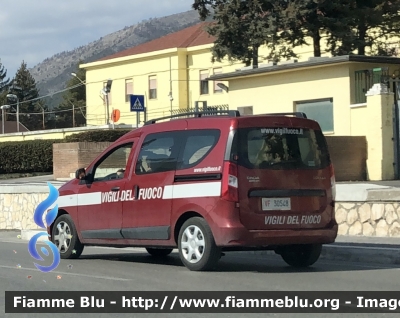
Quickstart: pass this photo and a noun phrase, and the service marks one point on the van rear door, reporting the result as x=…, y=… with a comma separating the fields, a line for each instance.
x=283, y=174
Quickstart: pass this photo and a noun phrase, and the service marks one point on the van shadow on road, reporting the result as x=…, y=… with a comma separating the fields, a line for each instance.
x=239, y=262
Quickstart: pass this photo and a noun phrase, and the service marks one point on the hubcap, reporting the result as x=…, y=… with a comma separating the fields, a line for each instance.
x=62, y=237
x=193, y=244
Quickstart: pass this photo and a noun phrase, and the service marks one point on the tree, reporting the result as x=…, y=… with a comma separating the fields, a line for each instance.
x=347, y=25
x=302, y=19
x=30, y=106
x=71, y=112
x=242, y=27
x=368, y=24
x=4, y=84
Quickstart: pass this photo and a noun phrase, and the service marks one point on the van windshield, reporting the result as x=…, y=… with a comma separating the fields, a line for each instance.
x=280, y=148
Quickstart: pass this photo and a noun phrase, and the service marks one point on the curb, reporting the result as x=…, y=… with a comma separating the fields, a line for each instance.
x=360, y=253
x=28, y=234
x=357, y=253
x=349, y=252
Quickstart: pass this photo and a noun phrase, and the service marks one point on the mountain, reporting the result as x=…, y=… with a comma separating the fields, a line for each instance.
x=52, y=74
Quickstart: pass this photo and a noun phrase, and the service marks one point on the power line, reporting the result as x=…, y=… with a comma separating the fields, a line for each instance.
x=51, y=94
x=51, y=112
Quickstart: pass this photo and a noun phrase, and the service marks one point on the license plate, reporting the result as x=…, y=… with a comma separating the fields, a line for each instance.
x=273, y=204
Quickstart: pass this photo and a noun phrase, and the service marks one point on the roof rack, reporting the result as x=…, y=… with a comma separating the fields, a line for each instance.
x=297, y=114
x=230, y=113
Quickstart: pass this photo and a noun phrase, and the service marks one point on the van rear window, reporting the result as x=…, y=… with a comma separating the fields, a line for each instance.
x=280, y=148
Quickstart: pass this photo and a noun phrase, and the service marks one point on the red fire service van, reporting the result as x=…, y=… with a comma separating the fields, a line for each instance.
x=205, y=183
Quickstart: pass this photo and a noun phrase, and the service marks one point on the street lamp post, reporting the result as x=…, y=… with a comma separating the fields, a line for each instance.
x=3, y=108
x=74, y=75
x=12, y=96
x=106, y=90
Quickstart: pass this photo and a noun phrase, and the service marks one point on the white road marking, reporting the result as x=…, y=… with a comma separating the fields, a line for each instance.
x=67, y=273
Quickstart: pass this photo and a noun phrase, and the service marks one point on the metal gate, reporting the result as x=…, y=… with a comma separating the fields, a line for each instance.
x=203, y=108
x=393, y=83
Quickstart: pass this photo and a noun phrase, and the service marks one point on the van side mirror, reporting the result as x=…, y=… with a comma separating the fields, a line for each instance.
x=80, y=174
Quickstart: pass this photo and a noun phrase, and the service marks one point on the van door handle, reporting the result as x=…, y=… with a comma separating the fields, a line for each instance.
x=136, y=192
x=115, y=189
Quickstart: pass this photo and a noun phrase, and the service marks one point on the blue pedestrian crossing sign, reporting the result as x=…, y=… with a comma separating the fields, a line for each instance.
x=137, y=103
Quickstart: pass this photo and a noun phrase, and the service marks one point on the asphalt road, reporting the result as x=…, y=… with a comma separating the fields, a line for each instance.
x=106, y=269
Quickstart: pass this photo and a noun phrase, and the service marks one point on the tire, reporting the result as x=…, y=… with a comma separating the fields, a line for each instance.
x=159, y=252
x=74, y=246
x=204, y=244
x=301, y=255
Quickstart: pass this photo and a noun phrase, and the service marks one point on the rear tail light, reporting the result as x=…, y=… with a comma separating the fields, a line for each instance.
x=230, y=182
x=333, y=182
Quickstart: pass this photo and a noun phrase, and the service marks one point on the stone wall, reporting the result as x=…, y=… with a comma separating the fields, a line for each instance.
x=16, y=210
x=368, y=219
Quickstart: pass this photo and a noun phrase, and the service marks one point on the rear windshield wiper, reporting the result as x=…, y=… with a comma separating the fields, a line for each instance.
x=284, y=162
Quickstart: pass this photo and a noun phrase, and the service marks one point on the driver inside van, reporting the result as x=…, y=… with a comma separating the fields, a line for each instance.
x=271, y=152
x=120, y=173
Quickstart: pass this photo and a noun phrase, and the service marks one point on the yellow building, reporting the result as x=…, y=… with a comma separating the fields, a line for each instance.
x=346, y=95
x=327, y=89
x=175, y=72
x=169, y=72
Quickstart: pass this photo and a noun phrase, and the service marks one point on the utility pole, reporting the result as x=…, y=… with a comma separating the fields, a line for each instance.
x=73, y=115
x=43, y=118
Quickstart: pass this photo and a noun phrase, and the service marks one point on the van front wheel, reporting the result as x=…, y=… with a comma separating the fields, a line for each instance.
x=301, y=255
x=65, y=237
x=196, y=244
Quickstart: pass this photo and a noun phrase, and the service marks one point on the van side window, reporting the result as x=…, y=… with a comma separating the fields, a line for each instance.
x=198, y=145
x=159, y=153
x=113, y=165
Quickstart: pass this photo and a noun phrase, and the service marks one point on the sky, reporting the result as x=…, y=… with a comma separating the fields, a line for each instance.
x=32, y=31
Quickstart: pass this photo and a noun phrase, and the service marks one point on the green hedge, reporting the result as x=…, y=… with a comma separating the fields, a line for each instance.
x=97, y=136
x=27, y=156
x=37, y=155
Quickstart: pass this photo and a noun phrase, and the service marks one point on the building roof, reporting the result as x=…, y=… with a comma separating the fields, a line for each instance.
x=188, y=37
x=11, y=127
x=311, y=62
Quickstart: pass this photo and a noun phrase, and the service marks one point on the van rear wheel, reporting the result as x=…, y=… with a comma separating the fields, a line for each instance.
x=197, y=248
x=301, y=255
x=159, y=252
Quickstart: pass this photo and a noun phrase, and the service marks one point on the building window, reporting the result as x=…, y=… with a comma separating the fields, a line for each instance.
x=203, y=82
x=109, y=96
x=128, y=89
x=364, y=80
x=320, y=110
x=245, y=110
x=152, y=87
x=217, y=89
